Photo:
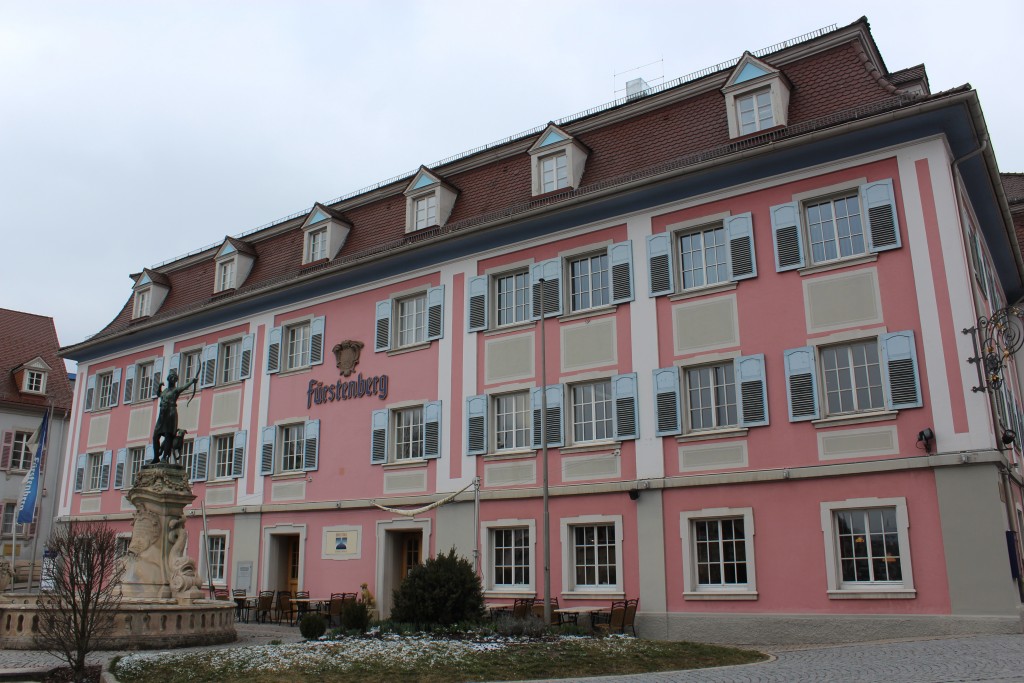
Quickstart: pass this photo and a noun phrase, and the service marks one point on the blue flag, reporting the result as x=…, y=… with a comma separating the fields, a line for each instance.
x=27, y=502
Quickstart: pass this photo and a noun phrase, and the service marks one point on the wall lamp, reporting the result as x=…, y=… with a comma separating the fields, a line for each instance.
x=927, y=437
x=634, y=494
x=1009, y=437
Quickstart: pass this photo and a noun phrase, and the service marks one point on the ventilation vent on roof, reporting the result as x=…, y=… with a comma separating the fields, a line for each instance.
x=636, y=87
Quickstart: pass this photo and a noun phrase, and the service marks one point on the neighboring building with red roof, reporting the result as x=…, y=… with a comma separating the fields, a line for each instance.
x=751, y=284
x=32, y=378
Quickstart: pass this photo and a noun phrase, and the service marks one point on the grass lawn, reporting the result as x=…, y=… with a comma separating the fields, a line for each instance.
x=391, y=658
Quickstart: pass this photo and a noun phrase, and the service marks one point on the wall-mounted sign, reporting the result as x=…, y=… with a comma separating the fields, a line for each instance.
x=320, y=393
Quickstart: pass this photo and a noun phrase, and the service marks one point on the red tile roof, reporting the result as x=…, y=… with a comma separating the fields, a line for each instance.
x=23, y=337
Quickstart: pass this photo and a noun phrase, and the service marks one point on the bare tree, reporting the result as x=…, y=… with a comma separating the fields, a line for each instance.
x=81, y=593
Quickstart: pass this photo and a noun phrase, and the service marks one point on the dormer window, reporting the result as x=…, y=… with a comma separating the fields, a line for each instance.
x=35, y=382
x=557, y=161
x=756, y=97
x=31, y=377
x=151, y=289
x=141, y=303
x=325, y=232
x=226, y=275
x=233, y=262
x=429, y=201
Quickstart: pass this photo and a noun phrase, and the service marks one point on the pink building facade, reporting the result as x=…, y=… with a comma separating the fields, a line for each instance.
x=752, y=285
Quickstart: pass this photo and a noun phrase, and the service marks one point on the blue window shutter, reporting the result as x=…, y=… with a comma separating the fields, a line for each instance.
x=666, y=402
x=238, y=456
x=209, y=366
x=382, y=328
x=311, y=454
x=267, y=441
x=435, y=313
x=753, y=391
x=620, y=262
x=883, y=225
x=108, y=456
x=115, y=387
x=274, y=351
x=624, y=401
x=787, y=236
x=129, y=383
x=801, y=384
x=201, y=457
x=551, y=272
x=742, y=260
x=535, y=413
x=432, y=429
x=476, y=425
x=478, y=290
x=80, y=472
x=90, y=392
x=899, y=368
x=175, y=365
x=556, y=415
x=245, y=357
x=316, y=340
x=379, y=437
x=659, y=264
x=158, y=376
x=122, y=458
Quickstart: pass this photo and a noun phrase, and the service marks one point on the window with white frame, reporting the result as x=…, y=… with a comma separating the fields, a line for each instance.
x=512, y=298
x=588, y=279
x=94, y=472
x=510, y=558
x=228, y=360
x=188, y=454
x=191, y=363
x=223, y=455
x=704, y=257
x=21, y=451
x=711, y=397
x=512, y=429
x=557, y=161
x=853, y=377
x=718, y=553
x=292, y=445
x=8, y=526
x=412, y=320
x=225, y=275
x=104, y=390
x=142, y=297
x=835, y=228
x=296, y=346
x=35, y=382
x=754, y=112
x=554, y=172
x=143, y=381
x=217, y=546
x=407, y=427
x=592, y=417
x=136, y=459
x=316, y=241
x=867, y=546
x=425, y=211
x=595, y=556
x=121, y=544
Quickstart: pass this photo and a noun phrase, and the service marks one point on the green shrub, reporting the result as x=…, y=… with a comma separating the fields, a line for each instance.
x=312, y=626
x=529, y=626
x=355, y=616
x=443, y=590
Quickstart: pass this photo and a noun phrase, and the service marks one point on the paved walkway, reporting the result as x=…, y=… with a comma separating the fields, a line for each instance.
x=942, y=660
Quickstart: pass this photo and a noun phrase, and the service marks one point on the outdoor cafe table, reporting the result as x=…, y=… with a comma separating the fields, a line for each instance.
x=496, y=608
x=589, y=610
x=303, y=604
x=243, y=603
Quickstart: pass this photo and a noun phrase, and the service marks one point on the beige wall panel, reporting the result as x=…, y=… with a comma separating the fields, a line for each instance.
x=697, y=458
x=455, y=529
x=288, y=490
x=227, y=409
x=405, y=482
x=140, y=423
x=509, y=358
x=650, y=526
x=586, y=467
x=853, y=443
x=99, y=425
x=188, y=414
x=589, y=345
x=91, y=504
x=510, y=473
x=833, y=302
x=220, y=495
x=705, y=325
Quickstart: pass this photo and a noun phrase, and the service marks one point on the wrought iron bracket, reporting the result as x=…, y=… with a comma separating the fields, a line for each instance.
x=995, y=339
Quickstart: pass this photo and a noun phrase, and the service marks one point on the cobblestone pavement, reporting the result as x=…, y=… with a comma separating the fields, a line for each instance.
x=942, y=660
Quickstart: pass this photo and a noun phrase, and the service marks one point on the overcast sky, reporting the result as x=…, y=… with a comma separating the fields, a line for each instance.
x=134, y=132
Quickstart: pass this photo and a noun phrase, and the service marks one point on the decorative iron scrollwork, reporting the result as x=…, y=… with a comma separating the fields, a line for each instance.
x=996, y=338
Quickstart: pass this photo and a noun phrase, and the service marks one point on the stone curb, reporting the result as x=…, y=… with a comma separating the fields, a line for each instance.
x=27, y=673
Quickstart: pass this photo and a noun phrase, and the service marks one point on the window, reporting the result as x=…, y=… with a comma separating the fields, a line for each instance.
x=425, y=212
x=292, y=447
x=8, y=525
x=105, y=387
x=867, y=547
x=317, y=245
x=228, y=361
x=136, y=459
x=412, y=320
x=144, y=381
x=21, y=451
x=191, y=361
x=592, y=411
x=226, y=275
x=755, y=112
x=296, y=346
x=835, y=229
x=121, y=544
x=141, y=303
x=95, y=472
x=708, y=255
x=711, y=397
x=704, y=258
x=589, y=282
x=554, y=172
x=511, y=558
x=718, y=553
x=188, y=455
x=512, y=298
x=595, y=558
x=853, y=378
x=35, y=381
x=223, y=454
x=408, y=431
x=512, y=421
x=216, y=555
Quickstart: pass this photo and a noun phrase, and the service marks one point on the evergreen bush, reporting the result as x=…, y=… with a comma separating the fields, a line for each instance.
x=355, y=616
x=443, y=590
x=312, y=626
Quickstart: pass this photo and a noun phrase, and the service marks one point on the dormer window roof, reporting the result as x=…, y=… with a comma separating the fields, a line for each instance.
x=30, y=377
x=756, y=97
x=556, y=161
x=150, y=289
x=234, y=261
x=429, y=201
x=324, y=234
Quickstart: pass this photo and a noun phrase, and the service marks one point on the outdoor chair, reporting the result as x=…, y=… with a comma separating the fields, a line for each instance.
x=285, y=606
x=337, y=604
x=629, y=620
x=610, y=622
x=521, y=608
x=264, y=604
x=221, y=594
x=538, y=611
x=241, y=605
x=301, y=608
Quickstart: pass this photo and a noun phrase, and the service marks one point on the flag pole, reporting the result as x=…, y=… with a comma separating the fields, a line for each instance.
x=38, y=508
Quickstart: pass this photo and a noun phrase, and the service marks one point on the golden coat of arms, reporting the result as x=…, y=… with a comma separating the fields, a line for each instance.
x=347, y=355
